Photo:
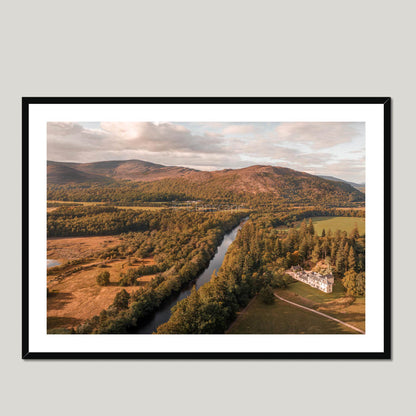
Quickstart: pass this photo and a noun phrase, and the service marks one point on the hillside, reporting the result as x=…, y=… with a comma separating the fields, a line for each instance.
x=249, y=183
x=151, y=182
x=132, y=170
x=62, y=174
x=359, y=186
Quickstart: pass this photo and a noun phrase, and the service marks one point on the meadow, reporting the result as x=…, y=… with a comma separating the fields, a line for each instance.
x=282, y=318
x=334, y=223
x=338, y=223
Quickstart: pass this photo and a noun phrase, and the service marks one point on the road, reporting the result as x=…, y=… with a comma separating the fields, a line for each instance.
x=320, y=313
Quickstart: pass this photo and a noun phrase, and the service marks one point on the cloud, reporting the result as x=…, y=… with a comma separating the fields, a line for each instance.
x=335, y=149
x=160, y=137
x=319, y=135
x=239, y=129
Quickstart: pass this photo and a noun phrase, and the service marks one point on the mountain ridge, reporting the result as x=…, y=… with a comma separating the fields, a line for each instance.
x=133, y=170
x=157, y=182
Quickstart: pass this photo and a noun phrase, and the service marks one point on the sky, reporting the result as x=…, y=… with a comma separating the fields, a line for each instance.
x=320, y=148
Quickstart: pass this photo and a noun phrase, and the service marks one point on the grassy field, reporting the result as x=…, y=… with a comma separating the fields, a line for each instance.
x=334, y=223
x=282, y=318
x=73, y=248
x=137, y=208
x=78, y=297
x=338, y=223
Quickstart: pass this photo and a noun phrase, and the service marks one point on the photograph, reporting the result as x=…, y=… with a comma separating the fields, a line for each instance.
x=224, y=221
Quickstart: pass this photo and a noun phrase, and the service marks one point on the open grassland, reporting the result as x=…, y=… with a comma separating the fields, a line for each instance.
x=338, y=223
x=136, y=208
x=70, y=203
x=78, y=297
x=336, y=304
x=72, y=248
x=282, y=318
x=333, y=223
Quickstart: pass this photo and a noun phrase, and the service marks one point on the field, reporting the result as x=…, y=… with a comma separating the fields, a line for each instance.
x=78, y=297
x=73, y=248
x=334, y=223
x=136, y=208
x=282, y=318
x=338, y=223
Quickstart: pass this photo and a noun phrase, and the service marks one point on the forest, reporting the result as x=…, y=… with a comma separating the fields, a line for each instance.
x=182, y=243
x=324, y=195
x=256, y=263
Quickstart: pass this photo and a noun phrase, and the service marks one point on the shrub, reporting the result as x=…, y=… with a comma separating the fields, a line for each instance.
x=266, y=295
x=121, y=301
x=103, y=278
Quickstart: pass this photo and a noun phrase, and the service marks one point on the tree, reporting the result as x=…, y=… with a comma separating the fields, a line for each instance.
x=351, y=259
x=349, y=282
x=303, y=249
x=266, y=295
x=316, y=253
x=103, y=278
x=354, y=283
x=121, y=301
x=340, y=262
x=310, y=228
x=355, y=234
x=303, y=228
x=360, y=287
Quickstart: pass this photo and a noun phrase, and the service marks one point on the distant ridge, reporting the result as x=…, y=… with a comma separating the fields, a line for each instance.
x=59, y=173
x=359, y=186
x=154, y=179
x=133, y=170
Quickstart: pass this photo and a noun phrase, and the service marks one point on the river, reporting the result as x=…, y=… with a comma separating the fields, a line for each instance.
x=164, y=313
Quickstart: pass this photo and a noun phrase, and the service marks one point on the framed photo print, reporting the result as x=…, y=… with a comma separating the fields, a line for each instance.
x=206, y=228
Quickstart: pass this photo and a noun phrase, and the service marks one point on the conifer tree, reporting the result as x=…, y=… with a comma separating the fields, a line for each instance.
x=303, y=249
x=355, y=234
x=303, y=229
x=316, y=253
x=340, y=263
x=351, y=259
x=310, y=228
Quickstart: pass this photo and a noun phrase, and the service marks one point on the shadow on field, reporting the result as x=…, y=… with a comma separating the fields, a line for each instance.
x=54, y=322
x=57, y=300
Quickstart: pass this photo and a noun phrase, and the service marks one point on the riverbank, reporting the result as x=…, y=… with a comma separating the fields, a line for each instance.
x=164, y=313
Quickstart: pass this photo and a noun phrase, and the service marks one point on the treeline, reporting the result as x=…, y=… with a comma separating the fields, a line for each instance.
x=255, y=262
x=290, y=216
x=95, y=220
x=212, y=308
x=290, y=191
x=103, y=220
x=182, y=244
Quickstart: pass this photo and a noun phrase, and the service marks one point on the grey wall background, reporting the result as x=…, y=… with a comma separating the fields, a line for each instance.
x=218, y=48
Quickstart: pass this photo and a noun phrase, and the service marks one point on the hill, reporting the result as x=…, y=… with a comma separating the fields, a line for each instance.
x=62, y=174
x=151, y=182
x=276, y=183
x=359, y=186
x=132, y=170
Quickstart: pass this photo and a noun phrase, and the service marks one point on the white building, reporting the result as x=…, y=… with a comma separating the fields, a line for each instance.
x=316, y=280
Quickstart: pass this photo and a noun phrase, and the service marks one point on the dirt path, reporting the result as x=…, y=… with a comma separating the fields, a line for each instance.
x=320, y=313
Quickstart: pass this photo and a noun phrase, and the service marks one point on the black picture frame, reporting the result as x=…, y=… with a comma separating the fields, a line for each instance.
x=385, y=101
